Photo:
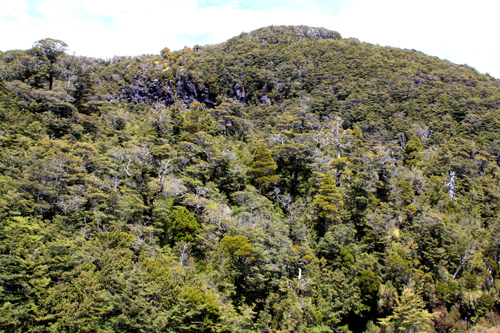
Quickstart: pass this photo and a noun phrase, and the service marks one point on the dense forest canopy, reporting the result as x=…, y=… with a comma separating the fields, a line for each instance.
x=287, y=180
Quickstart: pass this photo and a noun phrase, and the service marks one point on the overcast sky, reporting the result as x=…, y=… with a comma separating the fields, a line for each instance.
x=464, y=32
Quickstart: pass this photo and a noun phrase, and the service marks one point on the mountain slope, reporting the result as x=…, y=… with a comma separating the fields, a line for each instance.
x=285, y=180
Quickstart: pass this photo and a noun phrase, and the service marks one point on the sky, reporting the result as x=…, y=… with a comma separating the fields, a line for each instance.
x=463, y=32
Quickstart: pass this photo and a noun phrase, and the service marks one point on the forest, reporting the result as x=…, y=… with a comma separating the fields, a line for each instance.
x=286, y=180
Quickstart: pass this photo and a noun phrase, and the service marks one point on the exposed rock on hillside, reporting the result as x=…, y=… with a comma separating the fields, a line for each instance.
x=280, y=34
x=148, y=91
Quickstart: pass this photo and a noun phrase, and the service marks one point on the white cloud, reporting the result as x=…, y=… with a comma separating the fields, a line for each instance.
x=156, y=24
x=461, y=31
x=14, y=10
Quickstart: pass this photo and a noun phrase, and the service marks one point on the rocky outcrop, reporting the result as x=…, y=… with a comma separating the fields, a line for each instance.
x=146, y=91
x=239, y=93
x=287, y=34
x=189, y=91
x=143, y=90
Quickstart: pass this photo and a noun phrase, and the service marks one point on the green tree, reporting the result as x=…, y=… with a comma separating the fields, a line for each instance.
x=198, y=119
x=262, y=171
x=241, y=253
x=182, y=226
x=412, y=151
x=328, y=200
x=51, y=50
x=369, y=286
x=409, y=314
x=238, y=247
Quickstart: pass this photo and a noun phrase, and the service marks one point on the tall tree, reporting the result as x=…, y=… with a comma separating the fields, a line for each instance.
x=328, y=200
x=51, y=50
x=412, y=151
x=263, y=167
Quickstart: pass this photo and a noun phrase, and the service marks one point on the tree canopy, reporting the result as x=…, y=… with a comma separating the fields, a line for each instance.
x=286, y=180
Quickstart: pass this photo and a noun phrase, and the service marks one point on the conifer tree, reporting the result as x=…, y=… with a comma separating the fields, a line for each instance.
x=263, y=167
x=412, y=151
x=328, y=200
x=409, y=314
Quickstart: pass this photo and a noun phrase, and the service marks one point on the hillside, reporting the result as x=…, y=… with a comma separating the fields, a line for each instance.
x=287, y=180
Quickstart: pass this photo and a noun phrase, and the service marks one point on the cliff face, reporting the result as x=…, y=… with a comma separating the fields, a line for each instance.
x=152, y=91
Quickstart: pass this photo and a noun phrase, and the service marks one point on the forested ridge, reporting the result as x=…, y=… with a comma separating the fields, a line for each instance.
x=286, y=180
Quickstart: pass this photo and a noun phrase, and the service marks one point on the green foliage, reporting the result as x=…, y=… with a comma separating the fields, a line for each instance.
x=409, y=314
x=369, y=285
x=271, y=183
x=263, y=167
x=412, y=151
x=329, y=201
x=182, y=225
x=50, y=50
x=237, y=245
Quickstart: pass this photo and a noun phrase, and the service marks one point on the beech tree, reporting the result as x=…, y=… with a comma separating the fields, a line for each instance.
x=51, y=50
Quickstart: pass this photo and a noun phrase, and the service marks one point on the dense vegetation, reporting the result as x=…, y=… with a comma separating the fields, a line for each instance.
x=287, y=180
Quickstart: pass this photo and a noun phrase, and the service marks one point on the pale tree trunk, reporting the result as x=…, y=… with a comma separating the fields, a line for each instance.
x=451, y=185
x=464, y=260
